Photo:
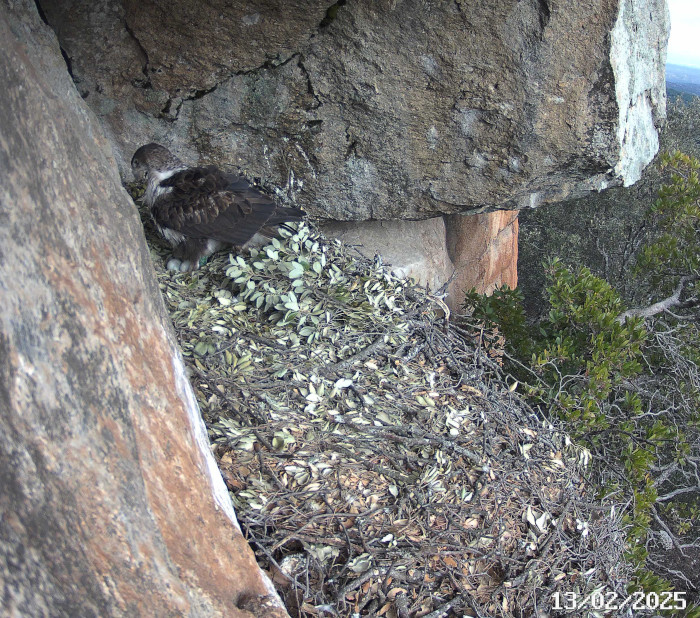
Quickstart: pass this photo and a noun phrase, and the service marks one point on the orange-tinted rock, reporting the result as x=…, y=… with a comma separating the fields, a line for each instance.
x=111, y=503
x=484, y=252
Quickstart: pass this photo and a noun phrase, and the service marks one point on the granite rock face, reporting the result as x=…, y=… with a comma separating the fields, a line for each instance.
x=477, y=251
x=111, y=503
x=378, y=111
x=484, y=251
x=382, y=110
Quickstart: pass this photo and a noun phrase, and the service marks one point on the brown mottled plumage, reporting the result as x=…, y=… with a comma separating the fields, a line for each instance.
x=199, y=210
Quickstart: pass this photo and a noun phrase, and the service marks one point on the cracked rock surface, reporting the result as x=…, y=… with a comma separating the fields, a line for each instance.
x=366, y=110
x=111, y=504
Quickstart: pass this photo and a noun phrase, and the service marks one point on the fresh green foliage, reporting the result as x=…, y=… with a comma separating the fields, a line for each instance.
x=624, y=381
x=575, y=358
x=676, y=216
x=296, y=281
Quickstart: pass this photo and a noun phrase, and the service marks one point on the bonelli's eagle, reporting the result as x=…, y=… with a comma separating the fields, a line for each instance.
x=200, y=210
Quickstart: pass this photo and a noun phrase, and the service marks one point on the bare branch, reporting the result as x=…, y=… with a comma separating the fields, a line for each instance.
x=666, y=304
x=678, y=492
x=671, y=536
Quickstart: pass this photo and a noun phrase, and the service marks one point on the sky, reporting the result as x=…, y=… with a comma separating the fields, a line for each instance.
x=684, y=45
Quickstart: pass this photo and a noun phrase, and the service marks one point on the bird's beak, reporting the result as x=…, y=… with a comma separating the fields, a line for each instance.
x=139, y=173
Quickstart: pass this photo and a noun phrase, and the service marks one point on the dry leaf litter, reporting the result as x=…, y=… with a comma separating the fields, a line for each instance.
x=378, y=461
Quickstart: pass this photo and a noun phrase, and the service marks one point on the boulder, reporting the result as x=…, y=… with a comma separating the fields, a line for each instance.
x=484, y=251
x=476, y=251
x=414, y=249
x=111, y=502
x=381, y=110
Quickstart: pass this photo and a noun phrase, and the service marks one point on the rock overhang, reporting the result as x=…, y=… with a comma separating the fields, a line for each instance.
x=397, y=111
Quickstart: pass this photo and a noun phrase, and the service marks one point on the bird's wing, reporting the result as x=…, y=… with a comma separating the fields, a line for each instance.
x=204, y=202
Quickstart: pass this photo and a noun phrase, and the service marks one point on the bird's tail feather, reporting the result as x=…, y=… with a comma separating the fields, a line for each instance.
x=285, y=214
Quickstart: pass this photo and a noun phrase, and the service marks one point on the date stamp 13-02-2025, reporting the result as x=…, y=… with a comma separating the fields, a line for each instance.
x=612, y=601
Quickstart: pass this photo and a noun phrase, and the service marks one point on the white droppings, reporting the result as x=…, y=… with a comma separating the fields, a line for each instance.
x=199, y=432
x=220, y=494
x=306, y=158
x=251, y=20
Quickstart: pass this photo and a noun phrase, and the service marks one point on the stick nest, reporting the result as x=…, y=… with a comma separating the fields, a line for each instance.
x=378, y=462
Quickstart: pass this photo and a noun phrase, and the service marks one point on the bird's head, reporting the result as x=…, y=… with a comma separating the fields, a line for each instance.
x=153, y=158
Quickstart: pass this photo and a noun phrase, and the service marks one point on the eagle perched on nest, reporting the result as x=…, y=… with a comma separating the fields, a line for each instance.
x=199, y=210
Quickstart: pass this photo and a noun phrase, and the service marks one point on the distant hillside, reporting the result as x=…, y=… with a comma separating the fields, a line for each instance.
x=673, y=94
x=682, y=80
